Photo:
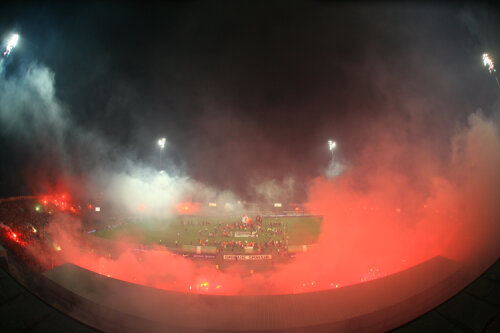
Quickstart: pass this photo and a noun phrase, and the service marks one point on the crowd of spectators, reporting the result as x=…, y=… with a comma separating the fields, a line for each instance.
x=256, y=237
x=271, y=246
x=22, y=224
x=24, y=219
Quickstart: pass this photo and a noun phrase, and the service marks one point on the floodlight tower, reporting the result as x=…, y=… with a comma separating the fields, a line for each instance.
x=10, y=44
x=161, y=143
x=488, y=63
x=331, y=146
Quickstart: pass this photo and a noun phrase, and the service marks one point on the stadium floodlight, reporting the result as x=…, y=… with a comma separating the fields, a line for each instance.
x=488, y=63
x=161, y=143
x=11, y=43
x=331, y=145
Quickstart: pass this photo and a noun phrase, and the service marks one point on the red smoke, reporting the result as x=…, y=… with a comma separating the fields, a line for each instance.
x=378, y=218
x=187, y=208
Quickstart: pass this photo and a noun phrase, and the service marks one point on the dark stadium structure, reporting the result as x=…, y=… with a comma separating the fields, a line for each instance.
x=113, y=305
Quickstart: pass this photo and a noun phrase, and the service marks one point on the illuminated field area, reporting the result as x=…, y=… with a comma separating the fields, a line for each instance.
x=190, y=230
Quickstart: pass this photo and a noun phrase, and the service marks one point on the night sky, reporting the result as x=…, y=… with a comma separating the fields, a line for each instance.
x=244, y=91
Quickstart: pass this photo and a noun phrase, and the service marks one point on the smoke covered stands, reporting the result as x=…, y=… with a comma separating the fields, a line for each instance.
x=376, y=305
x=474, y=309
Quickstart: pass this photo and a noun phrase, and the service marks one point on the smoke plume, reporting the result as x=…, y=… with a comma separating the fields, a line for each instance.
x=415, y=176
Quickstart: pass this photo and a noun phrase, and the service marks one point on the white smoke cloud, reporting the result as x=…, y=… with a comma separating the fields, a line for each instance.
x=143, y=190
x=28, y=105
x=30, y=111
x=275, y=190
x=334, y=169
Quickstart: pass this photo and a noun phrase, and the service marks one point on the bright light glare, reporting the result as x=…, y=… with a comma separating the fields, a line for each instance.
x=11, y=43
x=331, y=145
x=488, y=63
x=161, y=143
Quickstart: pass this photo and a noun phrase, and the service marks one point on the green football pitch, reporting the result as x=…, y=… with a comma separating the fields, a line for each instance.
x=188, y=230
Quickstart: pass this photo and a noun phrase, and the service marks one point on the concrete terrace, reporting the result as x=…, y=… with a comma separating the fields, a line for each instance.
x=475, y=309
